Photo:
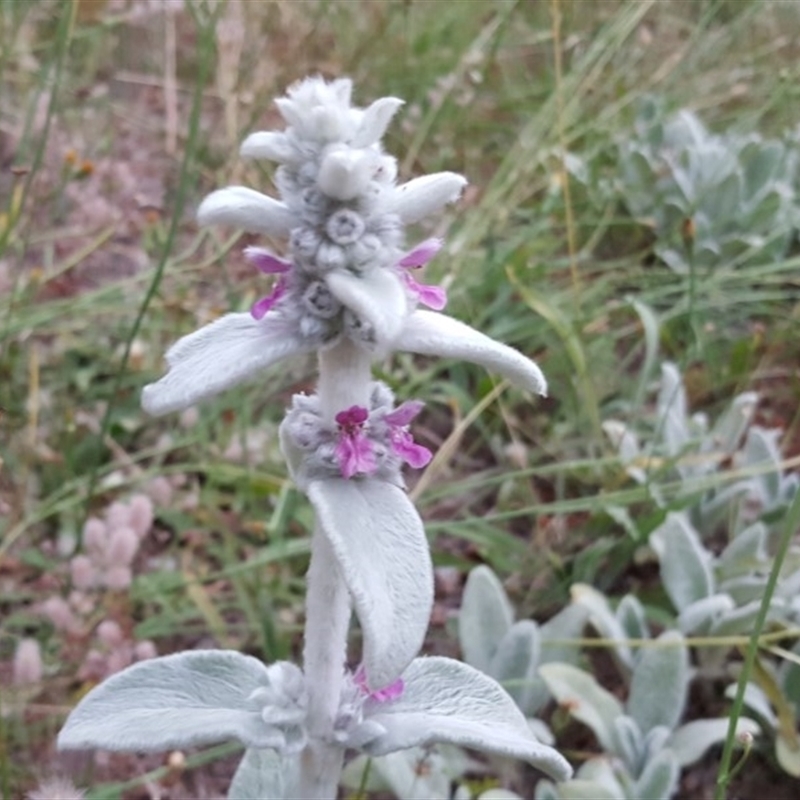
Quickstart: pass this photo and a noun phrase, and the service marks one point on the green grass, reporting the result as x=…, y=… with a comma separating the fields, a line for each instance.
x=80, y=335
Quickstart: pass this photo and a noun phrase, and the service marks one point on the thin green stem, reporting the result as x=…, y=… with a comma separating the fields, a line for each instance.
x=791, y=524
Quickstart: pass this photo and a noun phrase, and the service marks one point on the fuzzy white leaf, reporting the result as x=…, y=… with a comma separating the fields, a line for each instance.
x=178, y=701
x=686, y=568
x=690, y=742
x=484, y=619
x=227, y=352
x=447, y=701
x=666, y=667
x=380, y=546
x=432, y=334
x=264, y=775
x=375, y=121
x=417, y=199
x=586, y=700
x=345, y=174
x=246, y=209
x=267, y=144
x=516, y=662
x=377, y=297
x=659, y=778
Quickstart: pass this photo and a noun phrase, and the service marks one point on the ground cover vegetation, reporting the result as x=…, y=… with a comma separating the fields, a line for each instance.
x=631, y=221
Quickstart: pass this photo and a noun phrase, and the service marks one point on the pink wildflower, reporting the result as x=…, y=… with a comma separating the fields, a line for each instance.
x=415, y=455
x=390, y=692
x=354, y=450
x=268, y=264
x=434, y=297
x=27, y=665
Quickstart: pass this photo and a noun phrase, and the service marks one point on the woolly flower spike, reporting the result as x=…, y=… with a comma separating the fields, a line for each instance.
x=346, y=279
x=363, y=442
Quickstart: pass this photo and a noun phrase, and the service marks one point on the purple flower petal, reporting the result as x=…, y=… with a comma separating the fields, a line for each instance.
x=259, y=309
x=432, y=296
x=404, y=413
x=421, y=254
x=354, y=454
x=354, y=450
x=355, y=415
x=390, y=692
x=265, y=262
x=415, y=455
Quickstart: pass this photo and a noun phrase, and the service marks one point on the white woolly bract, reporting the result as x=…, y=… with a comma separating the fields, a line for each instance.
x=380, y=546
x=219, y=356
x=444, y=700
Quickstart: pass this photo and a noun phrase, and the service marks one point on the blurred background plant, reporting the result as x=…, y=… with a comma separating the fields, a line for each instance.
x=633, y=203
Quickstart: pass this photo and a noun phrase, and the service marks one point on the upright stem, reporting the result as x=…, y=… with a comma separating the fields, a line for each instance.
x=344, y=380
x=327, y=619
x=345, y=372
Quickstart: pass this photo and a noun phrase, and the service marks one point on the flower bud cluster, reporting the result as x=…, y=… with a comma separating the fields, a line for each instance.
x=372, y=441
x=282, y=704
x=334, y=179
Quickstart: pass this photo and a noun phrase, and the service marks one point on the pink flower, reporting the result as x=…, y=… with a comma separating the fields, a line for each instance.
x=390, y=692
x=354, y=450
x=415, y=455
x=268, y=264
x=421, y=254
x=259, y=309
x=434, y=297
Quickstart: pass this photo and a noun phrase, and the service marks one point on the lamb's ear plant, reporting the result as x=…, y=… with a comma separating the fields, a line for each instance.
x=643, y=735
x=346, y=292
x=513, y=652
x=714, y=201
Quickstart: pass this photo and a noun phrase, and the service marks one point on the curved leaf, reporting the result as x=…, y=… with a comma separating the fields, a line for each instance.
x=516, y=662
x=484, y=619
x=685, y=563
x=432, y=334
x=247, y=209
x=447, y=701
x=377, y=297
x=691, y=741
x=659, y=778
x=585, y=699
x=264, y=775
x=192, y=698
x=227, y=352
x=423, y=196
x=660, y=683
x=380, y=546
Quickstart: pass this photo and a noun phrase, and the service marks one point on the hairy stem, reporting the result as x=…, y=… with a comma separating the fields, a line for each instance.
x=327, y=619
x=344, y=381
x=344, y=377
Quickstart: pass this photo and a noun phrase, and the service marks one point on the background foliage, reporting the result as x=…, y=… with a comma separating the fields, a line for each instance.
x=633, y=203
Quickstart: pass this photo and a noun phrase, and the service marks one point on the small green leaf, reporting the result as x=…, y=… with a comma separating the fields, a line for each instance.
x=659, y=778
x=685, y=563
x=516, y=660
x=585, y=699
x=660, y=683
x=264, y=775
x=690, y=742
x=485, y=617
